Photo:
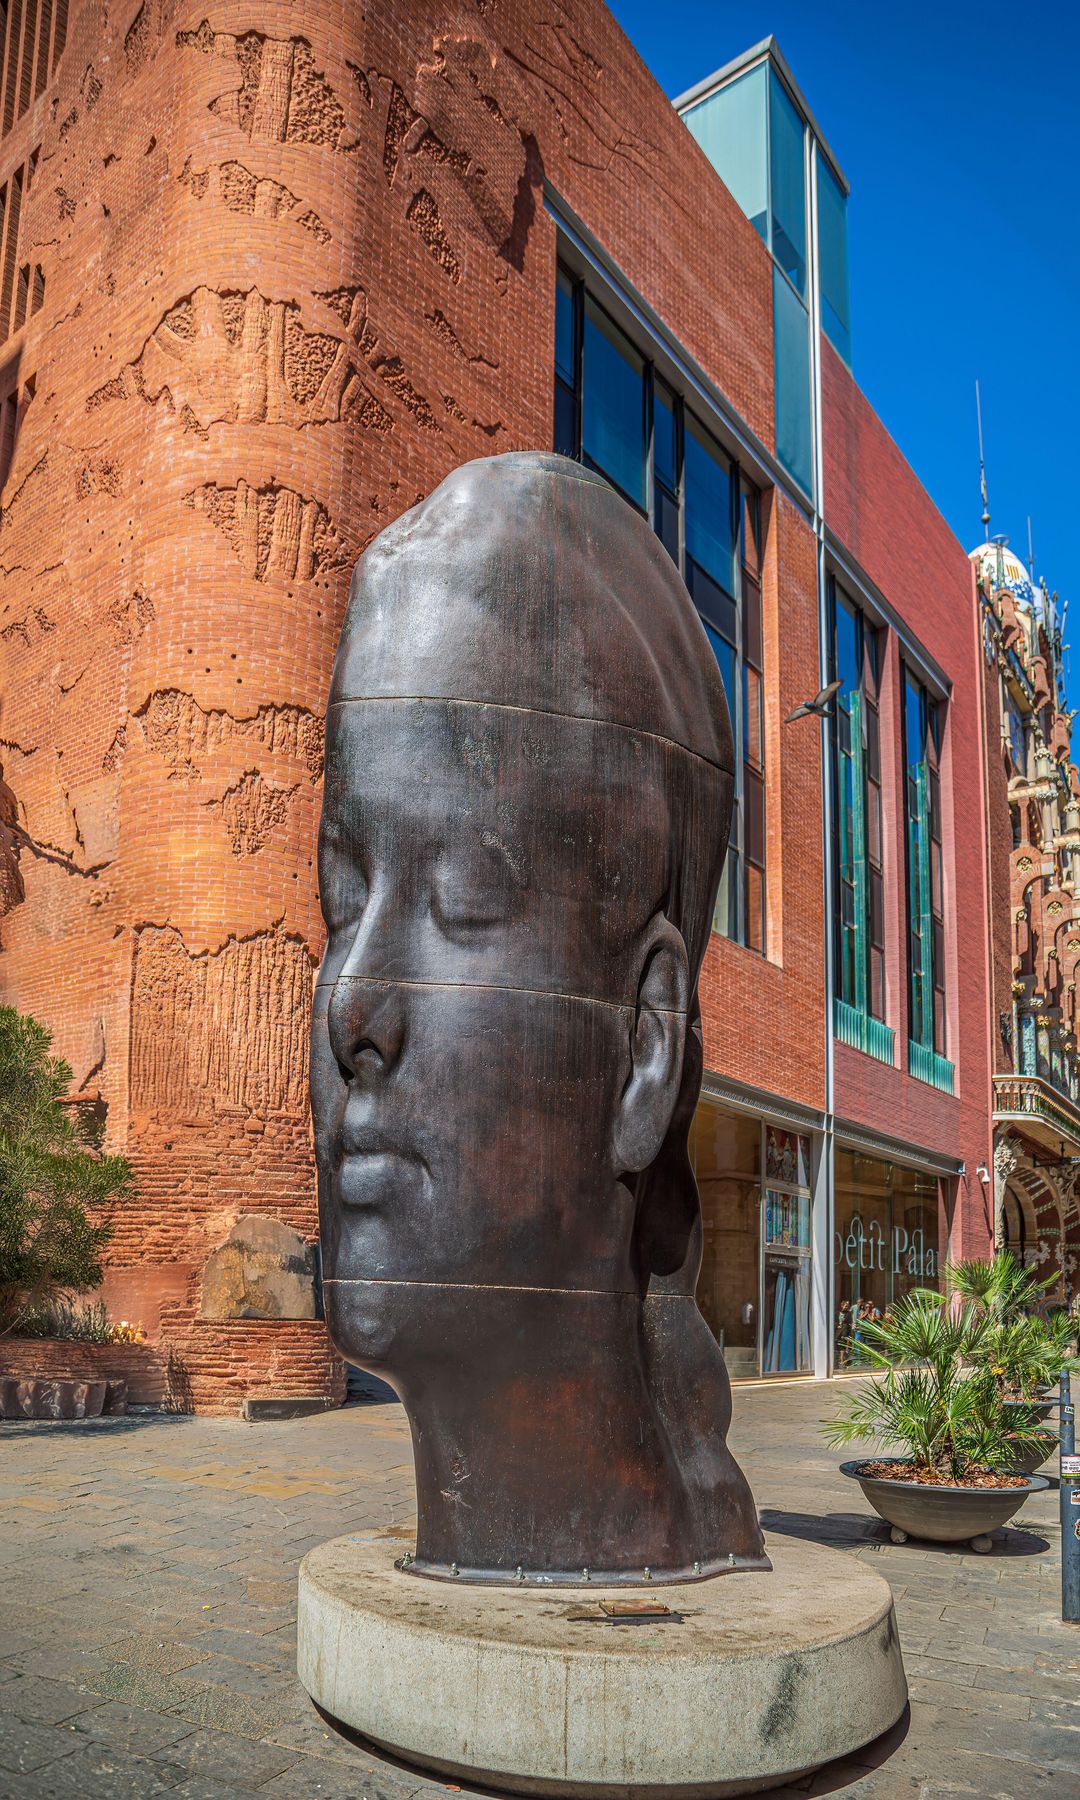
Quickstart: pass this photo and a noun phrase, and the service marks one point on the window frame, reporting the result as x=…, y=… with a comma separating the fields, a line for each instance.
x=742, y=928
x=923, y=834
x=864, y=719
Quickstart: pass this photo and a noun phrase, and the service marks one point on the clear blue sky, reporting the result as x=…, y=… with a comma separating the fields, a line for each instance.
x=958, y=127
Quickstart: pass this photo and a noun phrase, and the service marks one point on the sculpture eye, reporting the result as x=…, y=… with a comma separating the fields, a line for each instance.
x=466, y=901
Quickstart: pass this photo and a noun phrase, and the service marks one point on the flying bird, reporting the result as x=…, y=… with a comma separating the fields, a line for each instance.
x=819, y=705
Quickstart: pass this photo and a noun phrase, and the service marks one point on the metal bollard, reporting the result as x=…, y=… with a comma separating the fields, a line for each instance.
x=1069, y=1504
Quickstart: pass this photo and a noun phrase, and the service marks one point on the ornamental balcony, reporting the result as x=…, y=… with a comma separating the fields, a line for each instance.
x=1042, y=1110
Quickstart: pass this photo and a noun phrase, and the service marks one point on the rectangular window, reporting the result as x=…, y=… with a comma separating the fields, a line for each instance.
x=833, y=260
x=787, y=183
x=926, y=923
x=859, y=921
x=791, y=353
x=615, y=413
x=613, y=405
x=731, y=126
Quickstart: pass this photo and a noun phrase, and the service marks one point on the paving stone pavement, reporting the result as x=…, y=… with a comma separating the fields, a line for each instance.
x=147, y=1611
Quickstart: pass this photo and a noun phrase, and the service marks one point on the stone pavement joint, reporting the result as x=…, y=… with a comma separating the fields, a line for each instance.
x=147, y=1640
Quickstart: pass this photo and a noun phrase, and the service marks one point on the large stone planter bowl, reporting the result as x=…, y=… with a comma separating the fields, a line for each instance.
x=944, y=1515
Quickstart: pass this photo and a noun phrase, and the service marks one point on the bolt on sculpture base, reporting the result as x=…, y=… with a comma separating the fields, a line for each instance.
x=741, y=1685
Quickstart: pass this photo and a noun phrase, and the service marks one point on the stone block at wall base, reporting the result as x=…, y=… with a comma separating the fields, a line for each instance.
x=301, y=1406
x=142, y=1368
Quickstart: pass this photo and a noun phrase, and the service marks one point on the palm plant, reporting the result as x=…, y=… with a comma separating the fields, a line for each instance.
x=1000, y=1285
x=937, y=1397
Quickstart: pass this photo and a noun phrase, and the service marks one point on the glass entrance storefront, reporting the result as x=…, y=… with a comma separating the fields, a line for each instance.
x=786, y=1346
x=885, y=1243
x=754, y=1289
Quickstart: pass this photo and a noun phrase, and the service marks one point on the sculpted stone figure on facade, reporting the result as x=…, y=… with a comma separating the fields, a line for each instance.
x=528, y=788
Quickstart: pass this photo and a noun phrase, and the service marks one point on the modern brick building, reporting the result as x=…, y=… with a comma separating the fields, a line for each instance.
x=269, y=270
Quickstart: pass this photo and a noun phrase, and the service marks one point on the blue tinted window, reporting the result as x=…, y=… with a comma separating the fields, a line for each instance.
x=791, y=346
x=847, y=645
x=833, y=259
x=613, y=408
x=787, y=183
x=707, y=489
x=732, y=128
x=665, y=460
x=564, y=328
x=725, y=656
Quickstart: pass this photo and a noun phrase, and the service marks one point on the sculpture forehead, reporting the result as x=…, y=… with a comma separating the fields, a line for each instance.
x=525, y=581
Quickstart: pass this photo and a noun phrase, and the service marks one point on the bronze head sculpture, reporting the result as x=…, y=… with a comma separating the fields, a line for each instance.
x=528, y=790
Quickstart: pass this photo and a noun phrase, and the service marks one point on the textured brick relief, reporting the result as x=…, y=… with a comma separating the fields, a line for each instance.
x=145, y=32
x=450, y=340
x=178, y=730
x=129, y=615
x=425, y=218
x=234, y=357
x=227, y=1028
x=24, y=633
x=350, y=306
x=250, y=809
x=255, y=196
x=282, y=96
x=273, y=530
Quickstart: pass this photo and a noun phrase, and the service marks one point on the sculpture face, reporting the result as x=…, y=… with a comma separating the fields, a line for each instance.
x=500, y=1072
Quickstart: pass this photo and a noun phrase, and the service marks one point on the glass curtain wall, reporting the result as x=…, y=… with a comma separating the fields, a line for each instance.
x=885, y=1243
x=614, y=413
x=926, y=921
x=860, y=902
x=754, y=135
x=833, y=260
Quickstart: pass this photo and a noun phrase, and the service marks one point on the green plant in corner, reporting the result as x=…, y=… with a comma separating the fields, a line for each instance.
x=937, y=1399
x=55, y=1182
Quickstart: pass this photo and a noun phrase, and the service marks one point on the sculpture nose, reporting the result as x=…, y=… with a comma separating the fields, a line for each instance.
x=366, y=1022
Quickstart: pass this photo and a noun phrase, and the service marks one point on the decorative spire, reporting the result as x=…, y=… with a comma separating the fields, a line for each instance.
x=982, y=465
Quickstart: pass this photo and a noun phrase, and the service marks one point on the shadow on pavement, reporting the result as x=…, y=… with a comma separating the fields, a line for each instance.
x=835, y=1529
x=841, y=1531
x=110, y=1424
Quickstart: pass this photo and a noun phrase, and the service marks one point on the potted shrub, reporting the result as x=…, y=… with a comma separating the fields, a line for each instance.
x=56, y=1186
x=1025, y=1349
x=937, y=1401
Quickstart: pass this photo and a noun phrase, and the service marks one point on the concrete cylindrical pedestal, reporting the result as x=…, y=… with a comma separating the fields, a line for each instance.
x=750, y=1679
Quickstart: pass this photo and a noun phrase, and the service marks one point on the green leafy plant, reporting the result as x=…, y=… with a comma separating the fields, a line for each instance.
x=55, y=1182
x=88, y=1324
x=1000, y=1285
x=937, y=1398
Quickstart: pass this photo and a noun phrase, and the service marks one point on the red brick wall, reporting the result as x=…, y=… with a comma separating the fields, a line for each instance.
x=884, y=516
x=142, y=1366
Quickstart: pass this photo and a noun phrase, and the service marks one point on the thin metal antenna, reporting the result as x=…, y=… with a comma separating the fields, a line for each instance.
x=1031, y=554
x=982, y=464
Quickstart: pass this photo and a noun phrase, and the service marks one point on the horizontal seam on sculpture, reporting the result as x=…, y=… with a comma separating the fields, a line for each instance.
x=495, y=1287
x=498, y=987
x=536, y=712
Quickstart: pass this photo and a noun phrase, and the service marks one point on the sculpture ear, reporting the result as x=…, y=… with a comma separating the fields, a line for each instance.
x=656, y=1048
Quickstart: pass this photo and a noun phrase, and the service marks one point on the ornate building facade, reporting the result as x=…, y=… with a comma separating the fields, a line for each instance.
x=1033, y=816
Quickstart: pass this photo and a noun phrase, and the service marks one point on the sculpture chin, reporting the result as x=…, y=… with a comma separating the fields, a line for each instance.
x=366, y=1321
